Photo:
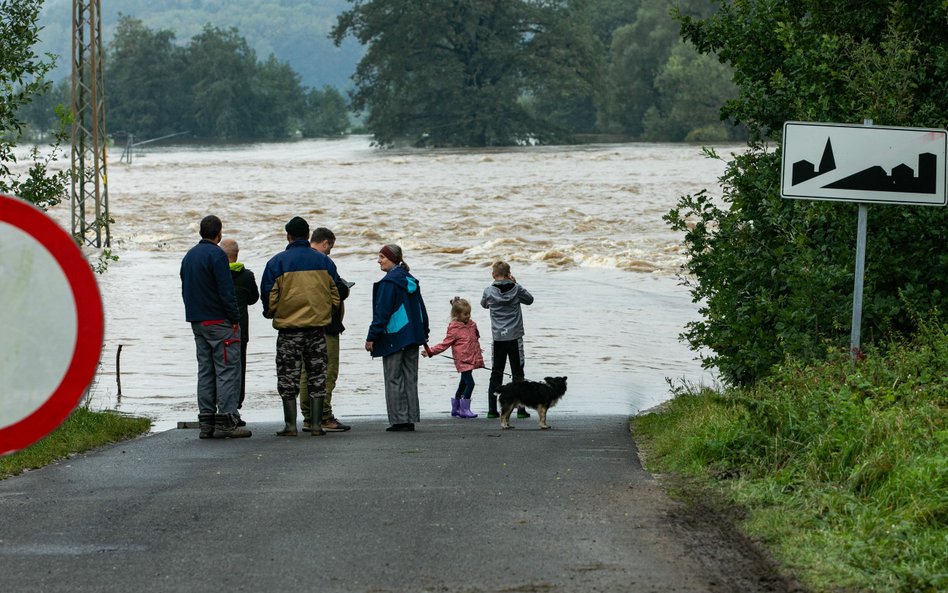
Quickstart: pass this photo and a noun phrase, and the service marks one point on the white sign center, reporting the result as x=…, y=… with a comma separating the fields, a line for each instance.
x=38, y=322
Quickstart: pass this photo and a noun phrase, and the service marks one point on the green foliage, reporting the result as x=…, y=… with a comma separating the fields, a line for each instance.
x=219, y=72
x=295, y=31
x=326, y=113
x=279, y=100
x=564, y=74
x=458, y=73
x=690, y=90
x=886, y=60
x=43, y=114
x=661, y=89
x=82, y=430
x=844, y=467
x=213, y=87
x=142, y=82
x=773, y=277
x=22, y=77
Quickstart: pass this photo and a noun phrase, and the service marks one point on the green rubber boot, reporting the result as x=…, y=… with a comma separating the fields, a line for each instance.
x=316, y=411
x=289, y=419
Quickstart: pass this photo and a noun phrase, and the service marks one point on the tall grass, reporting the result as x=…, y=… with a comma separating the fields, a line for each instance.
x=82, y=430
x=843, y=467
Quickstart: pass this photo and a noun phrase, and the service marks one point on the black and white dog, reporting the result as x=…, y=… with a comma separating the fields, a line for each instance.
x=532, y=394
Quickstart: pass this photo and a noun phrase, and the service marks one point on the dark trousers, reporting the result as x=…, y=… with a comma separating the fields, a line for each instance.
x=503, y=350
x=466, y=386
x=243, y=373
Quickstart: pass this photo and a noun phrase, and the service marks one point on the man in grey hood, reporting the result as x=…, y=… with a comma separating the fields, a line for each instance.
x=504, y=297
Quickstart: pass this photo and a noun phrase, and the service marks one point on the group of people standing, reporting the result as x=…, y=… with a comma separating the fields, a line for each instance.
x=302, y=293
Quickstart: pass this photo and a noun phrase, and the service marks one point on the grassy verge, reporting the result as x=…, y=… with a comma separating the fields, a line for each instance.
x=843, y=469
x=83, y=430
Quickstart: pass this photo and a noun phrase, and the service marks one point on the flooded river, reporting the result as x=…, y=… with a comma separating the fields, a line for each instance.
x=581, y=227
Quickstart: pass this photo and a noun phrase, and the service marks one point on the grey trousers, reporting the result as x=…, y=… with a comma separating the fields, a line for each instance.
x=218, y=358
x=401, y=385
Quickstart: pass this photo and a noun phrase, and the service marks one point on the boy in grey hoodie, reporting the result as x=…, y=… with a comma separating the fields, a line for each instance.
x=504, y=297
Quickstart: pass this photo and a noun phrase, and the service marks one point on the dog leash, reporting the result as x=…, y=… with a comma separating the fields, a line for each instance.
x=486, y=368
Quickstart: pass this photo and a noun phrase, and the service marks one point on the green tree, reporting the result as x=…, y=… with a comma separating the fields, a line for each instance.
x=461, y=72
x=143, y=88
x=279, y=100
x=22, y=77
x=690, y=90
x=218, y=75
x=41, y=114
x=325, y=113
x=640, y=53
x=605, y=16
x=774, y=277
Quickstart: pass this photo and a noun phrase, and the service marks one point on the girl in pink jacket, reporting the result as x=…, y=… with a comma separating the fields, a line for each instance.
x=462, y=338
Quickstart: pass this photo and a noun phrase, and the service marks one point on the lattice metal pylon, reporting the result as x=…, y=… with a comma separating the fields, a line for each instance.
x=90, y=195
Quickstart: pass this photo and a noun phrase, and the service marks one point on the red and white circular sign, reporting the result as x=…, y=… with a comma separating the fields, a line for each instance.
x=51, y=324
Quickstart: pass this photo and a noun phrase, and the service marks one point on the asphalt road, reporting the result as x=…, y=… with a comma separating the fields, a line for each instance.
x=457, y=506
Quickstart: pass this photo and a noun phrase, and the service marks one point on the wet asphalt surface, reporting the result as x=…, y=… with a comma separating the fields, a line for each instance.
x=456, y=506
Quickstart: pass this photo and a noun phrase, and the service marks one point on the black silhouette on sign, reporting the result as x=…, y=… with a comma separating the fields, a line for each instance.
x=902, y=178
x=804, y=170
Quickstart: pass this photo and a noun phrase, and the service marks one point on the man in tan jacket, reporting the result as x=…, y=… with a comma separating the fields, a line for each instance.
x=298, y=292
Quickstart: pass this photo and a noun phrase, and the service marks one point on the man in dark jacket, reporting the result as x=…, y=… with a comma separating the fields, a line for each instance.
x=245, y=287
x=211, y=307
x=298, y=293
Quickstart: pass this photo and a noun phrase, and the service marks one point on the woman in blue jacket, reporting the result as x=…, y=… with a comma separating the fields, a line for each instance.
x=399, y=327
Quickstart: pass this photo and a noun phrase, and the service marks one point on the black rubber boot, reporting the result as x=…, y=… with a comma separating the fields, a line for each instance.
x=206, y=421
x=225, y=427
x=316, y=414
x=289, y=419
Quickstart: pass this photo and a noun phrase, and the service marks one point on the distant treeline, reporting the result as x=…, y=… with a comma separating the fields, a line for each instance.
x=582, y=67
x=212, y=87
x=502, y=72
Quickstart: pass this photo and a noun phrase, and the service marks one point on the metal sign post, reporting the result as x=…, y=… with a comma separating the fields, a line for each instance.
x=855, y=336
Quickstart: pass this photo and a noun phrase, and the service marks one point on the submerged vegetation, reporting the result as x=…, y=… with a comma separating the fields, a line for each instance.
x=843, y=468
x=83, y=430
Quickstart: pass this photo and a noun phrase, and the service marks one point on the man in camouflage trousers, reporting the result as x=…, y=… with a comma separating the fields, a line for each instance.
x=298, y=293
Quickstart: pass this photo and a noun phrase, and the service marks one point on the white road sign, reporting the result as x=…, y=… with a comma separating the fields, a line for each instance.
x=51, y=324
x=868, y=164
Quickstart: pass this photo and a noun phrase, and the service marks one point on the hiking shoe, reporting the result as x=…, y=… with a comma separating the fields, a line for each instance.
x=522, y=413
x=493, y=415
x=307, y=426
x=333, y=425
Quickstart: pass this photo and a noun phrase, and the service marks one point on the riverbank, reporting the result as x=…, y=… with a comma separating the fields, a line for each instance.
x=840, y=471
x=83, y=430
